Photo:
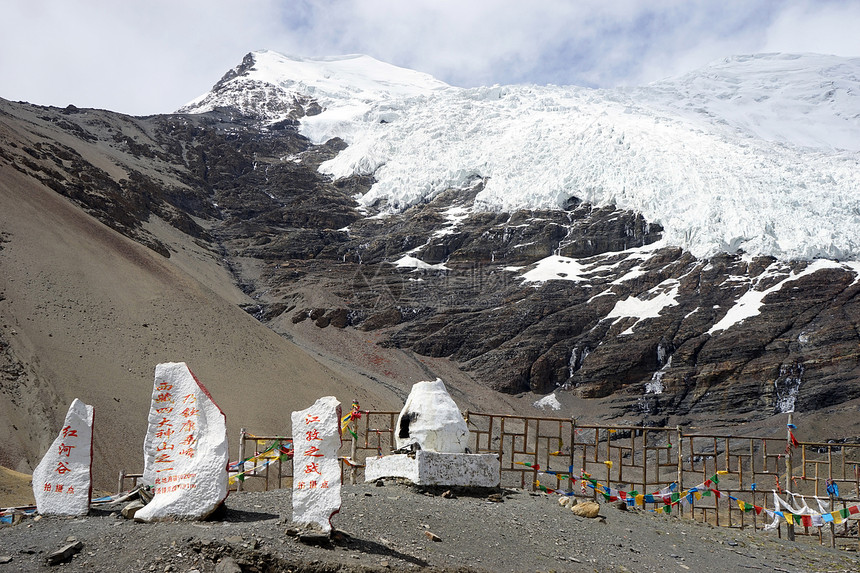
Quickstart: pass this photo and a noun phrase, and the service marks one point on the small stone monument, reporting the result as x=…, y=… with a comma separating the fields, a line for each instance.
x=431, y=420
x=62, y=482
x=316, y=470
x=431, y=438
x=185, y=451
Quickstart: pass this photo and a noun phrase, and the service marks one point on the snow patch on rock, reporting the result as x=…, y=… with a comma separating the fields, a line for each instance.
x=548, y=402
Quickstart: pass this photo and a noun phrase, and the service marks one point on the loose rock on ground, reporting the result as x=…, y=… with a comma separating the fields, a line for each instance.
x=394, y=528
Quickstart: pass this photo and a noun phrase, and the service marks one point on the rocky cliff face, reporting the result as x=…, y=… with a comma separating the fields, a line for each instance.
x=582, y=300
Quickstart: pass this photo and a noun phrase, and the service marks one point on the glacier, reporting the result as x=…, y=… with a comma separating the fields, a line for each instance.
x=757, y=154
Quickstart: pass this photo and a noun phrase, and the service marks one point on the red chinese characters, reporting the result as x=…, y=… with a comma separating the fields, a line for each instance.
x=58, y=488
x=313, y=452
x=65, y=449
x=309, y=466
x=64, y=469
x=181, y=441
x=316, y=485
x=185, y=450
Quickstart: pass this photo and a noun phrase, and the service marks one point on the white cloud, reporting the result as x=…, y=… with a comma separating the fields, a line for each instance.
x=132, y=56
x=823, y=27
x=152, y=56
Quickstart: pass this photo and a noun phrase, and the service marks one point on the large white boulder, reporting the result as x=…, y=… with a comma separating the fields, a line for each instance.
x=316, y=469
x=62, y=482
x=185, y=451
x=431, y=420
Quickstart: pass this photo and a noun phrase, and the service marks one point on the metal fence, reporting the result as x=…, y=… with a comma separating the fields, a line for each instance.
x=550, y=451
x=556, y=452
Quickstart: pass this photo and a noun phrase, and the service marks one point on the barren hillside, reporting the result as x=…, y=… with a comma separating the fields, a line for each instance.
x=88, y=313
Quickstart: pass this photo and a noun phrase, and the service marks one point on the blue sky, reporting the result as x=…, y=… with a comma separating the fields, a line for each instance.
x=144, y=57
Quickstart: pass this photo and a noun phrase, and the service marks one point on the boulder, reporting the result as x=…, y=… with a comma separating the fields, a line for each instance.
x=316, y=469
x=130, y=509
x=227, y=565
x=65, y=553
x=62, y=482
x=185, y=451
x=588, y=509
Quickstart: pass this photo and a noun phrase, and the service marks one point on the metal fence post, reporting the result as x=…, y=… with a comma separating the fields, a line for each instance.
x=788, y=471
x=241, y=467
x=570, y=467
x=681, y=470
x=352, y=459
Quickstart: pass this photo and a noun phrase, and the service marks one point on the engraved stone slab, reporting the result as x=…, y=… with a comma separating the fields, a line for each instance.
x=316, y=470
x=185, y=451
x=62, y=482
x=432, y=420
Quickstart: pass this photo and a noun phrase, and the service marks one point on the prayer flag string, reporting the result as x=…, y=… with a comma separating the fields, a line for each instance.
x=670, y=498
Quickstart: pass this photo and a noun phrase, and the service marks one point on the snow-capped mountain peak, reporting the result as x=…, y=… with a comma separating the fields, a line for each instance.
x=267, y=85
x=333, y=82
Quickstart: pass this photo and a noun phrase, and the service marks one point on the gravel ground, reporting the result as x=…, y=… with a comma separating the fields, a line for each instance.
x=386, y=529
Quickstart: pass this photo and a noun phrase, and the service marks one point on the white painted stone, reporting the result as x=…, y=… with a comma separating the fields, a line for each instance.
x=431, y=419
x=394, y=466
x=62, y=482
x=435, y=468
x=185, y=451
x=316, y=469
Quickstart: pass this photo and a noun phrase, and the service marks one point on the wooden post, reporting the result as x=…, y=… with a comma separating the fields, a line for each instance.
x=832, y=507
x=681, y=472
x=644, y=461
x=280, y=465
x=741, y=486
x=120, y=482
x=788, y=472
x=352, y=458
x=570, y=467
x=241, y=467
x=753, y=478
x=258, y=448
x=832, y=525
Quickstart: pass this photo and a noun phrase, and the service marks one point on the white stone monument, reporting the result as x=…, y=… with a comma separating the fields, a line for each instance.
x=316, y=469
x=62, y=482
x=435, y=434
x=185, y=451
x=431, y=419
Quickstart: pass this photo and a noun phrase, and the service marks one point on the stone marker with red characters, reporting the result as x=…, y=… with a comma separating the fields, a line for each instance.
x=62, y=482
x=316, y=469
x=185, y=451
